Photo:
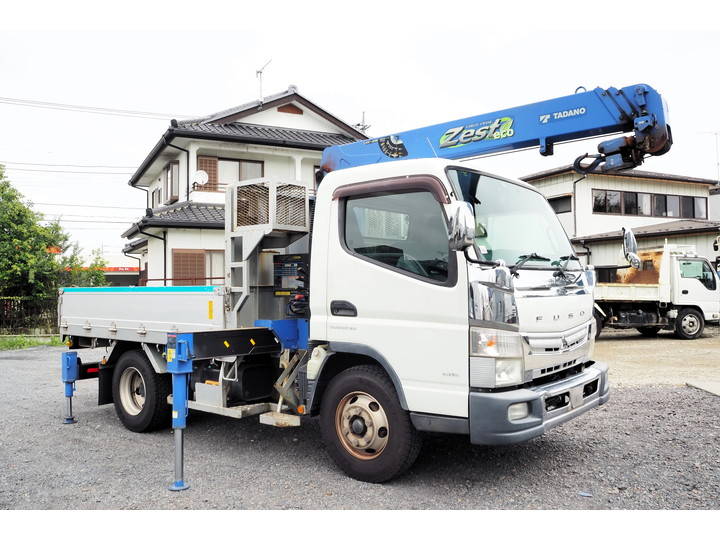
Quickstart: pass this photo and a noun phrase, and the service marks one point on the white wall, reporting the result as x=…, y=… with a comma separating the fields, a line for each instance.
x=205, y=239
x=308, y=120
x=589, y=223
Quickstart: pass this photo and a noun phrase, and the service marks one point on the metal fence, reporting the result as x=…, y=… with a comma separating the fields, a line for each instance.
x=28, y=315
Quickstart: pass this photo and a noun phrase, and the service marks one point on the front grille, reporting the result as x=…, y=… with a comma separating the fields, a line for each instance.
x=559, y=367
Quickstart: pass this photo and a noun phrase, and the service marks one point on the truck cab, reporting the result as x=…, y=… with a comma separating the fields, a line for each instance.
x=492, y=338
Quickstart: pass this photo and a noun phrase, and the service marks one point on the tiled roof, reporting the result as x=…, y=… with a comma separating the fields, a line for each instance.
x=184, y=214
x=631, y=173
x=669, y=228
x=263, y=134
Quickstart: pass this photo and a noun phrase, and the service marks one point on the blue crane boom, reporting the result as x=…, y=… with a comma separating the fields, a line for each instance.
x=638, y=109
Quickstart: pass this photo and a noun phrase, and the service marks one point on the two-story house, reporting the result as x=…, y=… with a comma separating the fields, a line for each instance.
x=593, y=209
x=180, y=240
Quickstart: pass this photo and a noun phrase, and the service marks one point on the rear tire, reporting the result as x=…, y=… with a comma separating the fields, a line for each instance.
x=689, y=324
x=649, y=331
x=140, y=394
x=599, y=321
x=365, y=430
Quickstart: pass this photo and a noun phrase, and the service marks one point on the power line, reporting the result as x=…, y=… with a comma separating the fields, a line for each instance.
x=88, y=109
x=90, y=206
x=86, y=221
x=2, y=161
x=65, y=171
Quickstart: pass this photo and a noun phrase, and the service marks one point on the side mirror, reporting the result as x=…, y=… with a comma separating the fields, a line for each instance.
x=461, y=230
x=715, y=243
x=630, y=248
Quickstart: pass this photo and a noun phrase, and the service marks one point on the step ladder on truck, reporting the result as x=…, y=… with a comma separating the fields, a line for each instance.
x=429, y=297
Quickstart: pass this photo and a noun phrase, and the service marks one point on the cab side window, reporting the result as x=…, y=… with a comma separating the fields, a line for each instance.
x=402, y=231
x=700, y=270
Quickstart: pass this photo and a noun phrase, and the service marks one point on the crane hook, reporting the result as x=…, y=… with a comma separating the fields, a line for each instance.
x=579, y=168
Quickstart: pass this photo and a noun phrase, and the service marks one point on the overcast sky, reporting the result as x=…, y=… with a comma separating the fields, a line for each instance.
x=405, y=64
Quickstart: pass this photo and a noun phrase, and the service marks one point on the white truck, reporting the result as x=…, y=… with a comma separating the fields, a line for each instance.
x=430, y=297
x=673, y=288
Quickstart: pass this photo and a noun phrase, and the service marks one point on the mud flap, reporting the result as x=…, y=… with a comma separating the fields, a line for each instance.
x=105, y=377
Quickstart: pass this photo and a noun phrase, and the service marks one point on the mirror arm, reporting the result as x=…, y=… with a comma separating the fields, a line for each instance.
x=491, y=264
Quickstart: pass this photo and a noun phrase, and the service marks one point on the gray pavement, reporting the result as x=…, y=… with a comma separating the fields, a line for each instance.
x=651, y=447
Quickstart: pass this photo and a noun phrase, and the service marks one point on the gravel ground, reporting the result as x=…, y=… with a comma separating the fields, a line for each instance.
x=651, y=447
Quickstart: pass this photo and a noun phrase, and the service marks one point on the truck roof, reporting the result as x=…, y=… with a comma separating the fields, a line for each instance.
x=423, y=166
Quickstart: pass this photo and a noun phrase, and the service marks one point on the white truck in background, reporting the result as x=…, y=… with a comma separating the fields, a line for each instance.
x=672, y=289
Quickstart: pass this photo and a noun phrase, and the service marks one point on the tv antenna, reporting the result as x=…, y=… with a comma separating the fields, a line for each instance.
x=362, y=126
x=259, y=75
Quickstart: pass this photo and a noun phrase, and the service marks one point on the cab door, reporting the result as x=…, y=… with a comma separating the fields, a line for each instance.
x=395, y=288
x=697, y=285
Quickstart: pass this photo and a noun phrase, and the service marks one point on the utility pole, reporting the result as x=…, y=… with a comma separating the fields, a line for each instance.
x=259, y=76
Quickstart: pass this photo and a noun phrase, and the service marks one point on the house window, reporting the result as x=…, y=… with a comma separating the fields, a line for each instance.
x=630, y=203
x=215, y=266
x=561, y=205
x=644, y=204
x=659, y=206
x=171, y=182
x=607, y=202
x=188, y=267
x=222, y=171
x=197, y=267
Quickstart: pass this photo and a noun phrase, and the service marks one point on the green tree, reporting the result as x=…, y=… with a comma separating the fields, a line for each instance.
x=29, y=264
x=74, y=272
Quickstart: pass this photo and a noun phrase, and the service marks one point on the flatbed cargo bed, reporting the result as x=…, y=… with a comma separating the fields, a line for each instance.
x=140, y=314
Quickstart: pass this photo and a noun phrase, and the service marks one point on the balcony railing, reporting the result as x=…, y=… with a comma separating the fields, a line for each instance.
x=218, y=187
x=183, y=281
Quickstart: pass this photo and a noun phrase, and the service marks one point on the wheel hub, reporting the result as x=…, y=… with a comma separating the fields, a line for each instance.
x=362, y=425
x=132, y=391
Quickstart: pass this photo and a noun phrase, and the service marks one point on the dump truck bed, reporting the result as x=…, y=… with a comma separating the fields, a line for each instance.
x=627, y=292
x=140, y=314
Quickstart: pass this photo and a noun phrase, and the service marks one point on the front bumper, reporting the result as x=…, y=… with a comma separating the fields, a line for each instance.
x=550, y=405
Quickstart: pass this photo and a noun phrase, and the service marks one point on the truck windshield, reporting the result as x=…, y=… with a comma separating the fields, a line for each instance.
x=513, y=222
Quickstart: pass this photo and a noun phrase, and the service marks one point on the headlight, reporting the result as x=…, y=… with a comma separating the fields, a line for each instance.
x=496, y=358
x=495, y=343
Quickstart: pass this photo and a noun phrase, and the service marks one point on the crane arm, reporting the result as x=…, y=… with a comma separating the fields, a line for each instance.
x=638, y=111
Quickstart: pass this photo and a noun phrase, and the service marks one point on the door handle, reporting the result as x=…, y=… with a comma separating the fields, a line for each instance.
x=684, y=291
x=342, y=308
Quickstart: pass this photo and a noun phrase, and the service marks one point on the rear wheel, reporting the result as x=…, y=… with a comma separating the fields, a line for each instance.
x=599, y=321
x=140, y=394
x=365, y=430
x=689, y=324
x=649, y=331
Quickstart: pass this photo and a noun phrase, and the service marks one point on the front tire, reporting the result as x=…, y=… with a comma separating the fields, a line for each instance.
x=689, y=324
x=365, y=430
x=140, y=394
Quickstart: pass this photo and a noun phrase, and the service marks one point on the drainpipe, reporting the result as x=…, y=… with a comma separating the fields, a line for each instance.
x=162, y=238
x=174, y=124
x=574, y=201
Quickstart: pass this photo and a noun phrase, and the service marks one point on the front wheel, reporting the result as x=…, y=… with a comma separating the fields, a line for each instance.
x=689, y=324
x=365, y=430
x=140, y=394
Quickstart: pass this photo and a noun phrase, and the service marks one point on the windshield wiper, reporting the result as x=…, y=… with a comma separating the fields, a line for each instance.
x=562, y=272
x=525, y=258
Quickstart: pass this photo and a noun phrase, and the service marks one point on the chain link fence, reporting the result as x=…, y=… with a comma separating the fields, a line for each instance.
x=28, y=315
